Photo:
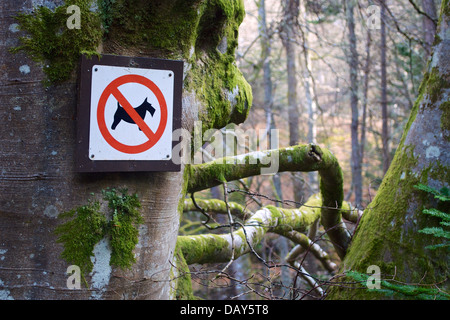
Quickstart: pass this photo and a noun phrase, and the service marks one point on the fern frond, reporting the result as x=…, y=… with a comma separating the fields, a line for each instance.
x=442, y=194
x=436, y=232
x=436, y=213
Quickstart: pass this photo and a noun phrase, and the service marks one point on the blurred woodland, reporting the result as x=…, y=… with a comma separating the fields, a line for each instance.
x=341, y=74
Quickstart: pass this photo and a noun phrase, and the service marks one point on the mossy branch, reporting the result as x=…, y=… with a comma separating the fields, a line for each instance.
x=302, y=158
x=304, y=243
x=217, y=206
x=208, y=248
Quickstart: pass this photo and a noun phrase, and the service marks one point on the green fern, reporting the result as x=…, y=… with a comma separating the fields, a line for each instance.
x=442, y=194
x=438, y=232
x=419, y=292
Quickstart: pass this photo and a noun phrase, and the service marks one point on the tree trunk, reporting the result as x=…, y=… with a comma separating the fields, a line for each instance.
x=429, y=26
x=291, y=11
x=288, y=37
x=265, y=56
x=38, y=145
x=310, y=98
x=387, y=235
x=384, y=111
x=353, y=64
x=362, y=141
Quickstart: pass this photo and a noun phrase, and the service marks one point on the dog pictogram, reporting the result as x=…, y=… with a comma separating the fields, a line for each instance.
x=121, y=114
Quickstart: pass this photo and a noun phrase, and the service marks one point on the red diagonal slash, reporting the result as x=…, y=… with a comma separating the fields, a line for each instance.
x=132, y=113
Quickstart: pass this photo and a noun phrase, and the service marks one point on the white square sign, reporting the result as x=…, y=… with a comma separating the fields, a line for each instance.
x=131, y=113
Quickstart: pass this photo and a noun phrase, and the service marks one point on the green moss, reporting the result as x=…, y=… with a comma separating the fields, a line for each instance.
x=203, y=33
x=183, y=287
x=88, y=225
x=200, y=248
x=167, y=27
x=79, y=235
x=445, y=117
x=180, y=207
x=388, y=236
x=386, y=211
x=122, y=227
x=445, y=8
x=436, y=84
x=293, y=219
x=53, y=45
x=214, y=76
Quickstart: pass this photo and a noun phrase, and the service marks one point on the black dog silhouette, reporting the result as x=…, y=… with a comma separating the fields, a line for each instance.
x=121, y=114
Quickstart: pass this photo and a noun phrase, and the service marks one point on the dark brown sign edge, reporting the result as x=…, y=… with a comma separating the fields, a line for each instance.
x=83, y=162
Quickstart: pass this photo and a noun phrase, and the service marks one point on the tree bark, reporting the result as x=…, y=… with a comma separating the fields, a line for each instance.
x=362, y=141
x=353, y=64
x=387, y=235
x=429, y=26
x=38, y=147
x=291, y=11
x=310, y=98
x=384, y=110
x=288, y=37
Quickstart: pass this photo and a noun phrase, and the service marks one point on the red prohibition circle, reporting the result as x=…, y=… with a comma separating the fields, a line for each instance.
x=112, y=89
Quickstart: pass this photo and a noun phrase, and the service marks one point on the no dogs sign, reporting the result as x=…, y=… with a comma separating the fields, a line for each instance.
x=128, y=110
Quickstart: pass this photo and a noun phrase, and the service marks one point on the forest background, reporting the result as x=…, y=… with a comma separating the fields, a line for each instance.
x=341, y=74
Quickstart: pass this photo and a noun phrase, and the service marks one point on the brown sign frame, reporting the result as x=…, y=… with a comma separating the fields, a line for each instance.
x=83, y=162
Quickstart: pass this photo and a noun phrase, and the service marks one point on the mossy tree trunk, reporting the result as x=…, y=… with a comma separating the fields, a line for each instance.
x=387, y=235
x=38, y=135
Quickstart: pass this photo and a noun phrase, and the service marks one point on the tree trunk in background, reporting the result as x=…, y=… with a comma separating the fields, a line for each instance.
x=288, y=38
x=429, y=26
x=353, y=65
x=384, y=111
x=265, y=57
x=362, y=141
x=310, y=103
x=38, y=145
x=387, y=235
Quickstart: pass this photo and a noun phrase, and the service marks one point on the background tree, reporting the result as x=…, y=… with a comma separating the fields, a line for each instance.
x=388, y=235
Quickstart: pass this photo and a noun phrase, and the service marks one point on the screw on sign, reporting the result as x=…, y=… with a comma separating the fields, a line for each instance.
x=130, y=114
